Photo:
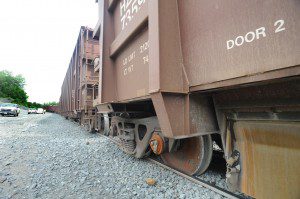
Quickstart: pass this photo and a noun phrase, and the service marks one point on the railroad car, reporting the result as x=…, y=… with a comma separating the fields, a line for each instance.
x=77, y=92
x=176, y=76
x=52, y=109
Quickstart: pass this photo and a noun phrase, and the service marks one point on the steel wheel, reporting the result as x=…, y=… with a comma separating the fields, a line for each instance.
x=193, y=155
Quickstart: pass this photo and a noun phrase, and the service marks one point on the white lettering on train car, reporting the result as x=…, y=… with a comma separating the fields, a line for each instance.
x=252, y=35
x=128, y=63
x=128, y=60
x=128, y=8
x=280, y=24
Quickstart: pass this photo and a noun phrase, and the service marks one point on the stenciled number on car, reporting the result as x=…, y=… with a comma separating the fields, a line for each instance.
x=128, y=8
x=127, y=62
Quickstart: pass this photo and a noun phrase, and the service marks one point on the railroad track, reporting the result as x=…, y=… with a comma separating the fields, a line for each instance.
x=194, y=179
x=200, y=182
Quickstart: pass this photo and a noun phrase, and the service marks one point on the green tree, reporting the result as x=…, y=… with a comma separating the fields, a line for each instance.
x=34, y=105
x=50, y=104
x=12, y=87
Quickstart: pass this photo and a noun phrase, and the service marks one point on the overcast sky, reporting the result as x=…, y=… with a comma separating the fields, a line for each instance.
x=37, y=39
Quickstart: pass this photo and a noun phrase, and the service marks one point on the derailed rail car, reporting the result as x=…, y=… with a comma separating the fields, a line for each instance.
x=77, y=92
x=176, y=75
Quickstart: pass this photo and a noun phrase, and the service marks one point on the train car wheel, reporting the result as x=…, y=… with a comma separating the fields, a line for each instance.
x=193, y=155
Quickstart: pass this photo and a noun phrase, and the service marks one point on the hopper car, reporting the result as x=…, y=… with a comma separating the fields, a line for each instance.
x=76, y=101
x=176, y=77
x=52, y=109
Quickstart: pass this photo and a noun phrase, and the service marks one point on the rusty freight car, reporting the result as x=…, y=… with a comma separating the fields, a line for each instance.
x=52, y=109
x=77, y=91
x=176, y=75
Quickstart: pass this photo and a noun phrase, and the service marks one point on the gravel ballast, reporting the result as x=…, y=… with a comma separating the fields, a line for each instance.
x=47, y=156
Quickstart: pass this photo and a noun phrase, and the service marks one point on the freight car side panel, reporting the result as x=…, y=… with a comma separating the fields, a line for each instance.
x=225, y=40
x=129, y=50
x=132, y=69
x=78, y=74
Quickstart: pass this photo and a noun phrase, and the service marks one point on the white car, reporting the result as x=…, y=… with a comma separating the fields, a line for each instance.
x=40, y=111
x=31, y=110
x=9, y=109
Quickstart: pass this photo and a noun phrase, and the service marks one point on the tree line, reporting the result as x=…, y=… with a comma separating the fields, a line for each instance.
x=12, y=88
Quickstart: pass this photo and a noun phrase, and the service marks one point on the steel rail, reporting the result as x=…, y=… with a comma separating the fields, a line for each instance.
x=198, y=181
x=193, y=179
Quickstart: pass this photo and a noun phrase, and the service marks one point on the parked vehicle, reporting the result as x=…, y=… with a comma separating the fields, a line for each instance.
x=40, y=111
x=9, y=109
x=32, y=111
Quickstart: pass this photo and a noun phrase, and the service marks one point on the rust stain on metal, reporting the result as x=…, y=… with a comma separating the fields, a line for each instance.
x=157, y=144
x=270, y=153
x=192, y=156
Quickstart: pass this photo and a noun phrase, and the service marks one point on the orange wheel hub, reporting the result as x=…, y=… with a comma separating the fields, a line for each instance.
x=157, y=144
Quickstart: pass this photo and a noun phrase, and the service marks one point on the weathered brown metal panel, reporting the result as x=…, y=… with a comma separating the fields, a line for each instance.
x=267, y=35
x=132, y=70
x=107, y=90
x=165, y=56
x=124, y=69
x=182, y=116
x=270, y=158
